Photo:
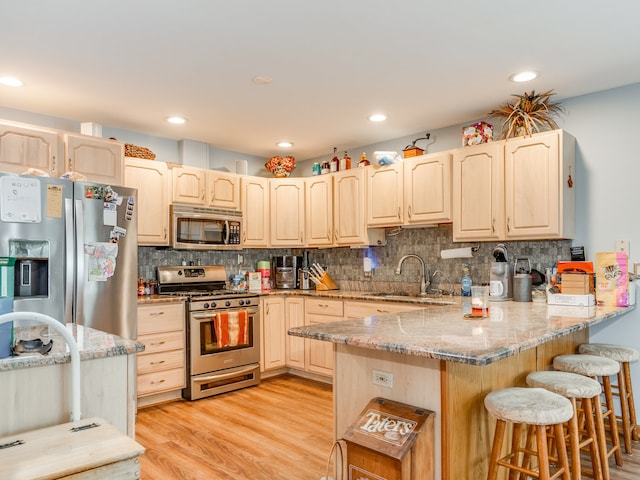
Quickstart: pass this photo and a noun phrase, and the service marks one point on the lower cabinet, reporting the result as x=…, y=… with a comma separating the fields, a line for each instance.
x=294, y=317
x=272, y=333
x=368, y=309
x=161, y=367
x=318, y=354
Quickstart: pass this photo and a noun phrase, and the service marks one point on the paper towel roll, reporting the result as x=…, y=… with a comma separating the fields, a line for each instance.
x=466, y=252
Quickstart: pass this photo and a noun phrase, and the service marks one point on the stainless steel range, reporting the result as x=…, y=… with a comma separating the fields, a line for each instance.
x=223, y=330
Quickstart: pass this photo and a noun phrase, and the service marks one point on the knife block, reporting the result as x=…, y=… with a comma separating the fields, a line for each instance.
x=328, y=283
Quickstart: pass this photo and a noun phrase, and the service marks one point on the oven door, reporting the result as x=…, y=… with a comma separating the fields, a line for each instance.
x=222, y=339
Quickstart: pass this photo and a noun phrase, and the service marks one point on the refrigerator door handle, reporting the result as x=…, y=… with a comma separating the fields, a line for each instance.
x=80, y=268
x=69, y=262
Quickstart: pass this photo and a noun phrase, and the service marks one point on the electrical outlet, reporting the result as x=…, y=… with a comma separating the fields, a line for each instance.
x=384, y=379
x=240, y=259
x=622, y=246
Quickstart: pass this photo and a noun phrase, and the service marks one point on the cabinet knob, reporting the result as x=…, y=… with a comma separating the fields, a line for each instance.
x=399, y=212
x=508, y=226
x=155, y=314
x=409, y=211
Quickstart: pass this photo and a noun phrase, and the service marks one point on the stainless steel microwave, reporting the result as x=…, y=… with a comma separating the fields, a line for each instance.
x=204, y=228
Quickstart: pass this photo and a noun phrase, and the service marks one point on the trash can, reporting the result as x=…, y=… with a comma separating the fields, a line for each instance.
x=390, y=441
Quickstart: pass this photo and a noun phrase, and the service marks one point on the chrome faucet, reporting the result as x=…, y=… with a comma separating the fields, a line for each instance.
x=443, y=278
x=424, y=281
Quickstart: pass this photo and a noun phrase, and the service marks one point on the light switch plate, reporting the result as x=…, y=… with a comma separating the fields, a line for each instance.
x=622, y=246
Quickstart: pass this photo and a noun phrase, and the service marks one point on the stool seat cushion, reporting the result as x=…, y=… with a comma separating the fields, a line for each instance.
x=570, y=385
x=589, y=365
x=533, y=406
x=614, y=352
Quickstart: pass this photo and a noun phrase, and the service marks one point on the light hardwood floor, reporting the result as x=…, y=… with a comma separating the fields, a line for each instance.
x=281, y=429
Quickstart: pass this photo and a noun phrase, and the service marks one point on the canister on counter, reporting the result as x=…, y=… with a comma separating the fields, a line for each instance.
x=316, y=169
x=264, y=267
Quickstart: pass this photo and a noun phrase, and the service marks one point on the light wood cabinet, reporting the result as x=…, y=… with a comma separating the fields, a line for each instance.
x=427, y=189
x=539, y=193
x=161, y=367
x=24, y=146
x=349, y=207
x=100, y=160
x=319, y=211
x=319, y=355
x=255, y=210
x=384, y=195
x=354, y=309
x=478, y=192
x=151, y=179
x=273, y=333
x=295, y=346
x=286, y=200
x=188, y=184
x=518, y=189
x=223, y=190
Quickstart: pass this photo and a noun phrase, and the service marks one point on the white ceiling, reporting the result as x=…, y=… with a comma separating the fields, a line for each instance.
x=129, y=64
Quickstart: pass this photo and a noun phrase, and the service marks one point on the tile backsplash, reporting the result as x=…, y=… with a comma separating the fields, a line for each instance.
x=346, y=264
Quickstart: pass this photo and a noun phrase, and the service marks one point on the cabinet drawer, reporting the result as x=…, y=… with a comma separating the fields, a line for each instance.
x=365, y=309
x=161, y=381
x=160, y=361
x=160, y=318
x=321, y=306
x=162, y=342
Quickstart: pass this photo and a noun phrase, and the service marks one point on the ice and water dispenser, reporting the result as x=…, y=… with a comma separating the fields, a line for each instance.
x=31, y=271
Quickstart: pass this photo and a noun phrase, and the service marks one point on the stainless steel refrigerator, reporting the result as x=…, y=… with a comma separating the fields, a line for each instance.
x=75, y=245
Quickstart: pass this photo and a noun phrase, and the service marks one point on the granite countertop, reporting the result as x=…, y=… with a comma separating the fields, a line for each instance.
x=442, y=332
x=91, y=344
x=150, y=299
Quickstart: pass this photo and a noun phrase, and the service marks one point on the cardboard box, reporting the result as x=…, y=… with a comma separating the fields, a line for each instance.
x=254, y=282
x=575, y=267
x=588, y=300
x=577, y=283
x=569, y=311
x=612, y=279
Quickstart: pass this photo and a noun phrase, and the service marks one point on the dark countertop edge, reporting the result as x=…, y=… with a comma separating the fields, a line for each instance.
x=477, y=360
x=151, y=299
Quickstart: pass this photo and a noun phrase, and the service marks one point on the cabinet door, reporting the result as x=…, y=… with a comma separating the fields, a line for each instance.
x=384, y=195
x=286, y=199
x=294, y=313
x=536, y=190
x=100, y=160
x=23, y=147
x=188, y=185
x=427, y=189
x=318, y=354
x=255, y=210
x=349, y=207
x=150, y=178
x=319, y=211
x=273, y=333
x=478, y=192
x=223, y=190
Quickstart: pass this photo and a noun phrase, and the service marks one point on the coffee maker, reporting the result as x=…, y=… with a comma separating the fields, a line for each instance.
x=285, y=271
x=501, y=280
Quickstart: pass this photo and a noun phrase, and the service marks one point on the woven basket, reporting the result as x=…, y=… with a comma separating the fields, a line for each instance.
x=131, y=150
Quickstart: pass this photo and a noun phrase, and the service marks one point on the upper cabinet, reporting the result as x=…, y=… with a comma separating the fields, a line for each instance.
x=319, y=211
x=255, y=210
x=518, y=189
x=24, y=146
x=100, y=160
x=223, y=190
x=151, y=178
x=427, y=189
x=349, y=207
x=188, y=184
x=286, y=200
x=384, y=195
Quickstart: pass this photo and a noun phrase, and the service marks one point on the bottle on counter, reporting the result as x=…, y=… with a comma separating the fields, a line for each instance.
x=345, y=162
x=325, y=168
x=465, y=282
x=334, y=165
x=363, y=160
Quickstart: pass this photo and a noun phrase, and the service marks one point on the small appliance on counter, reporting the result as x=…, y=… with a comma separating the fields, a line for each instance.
x=285, y=271
x=501, y=281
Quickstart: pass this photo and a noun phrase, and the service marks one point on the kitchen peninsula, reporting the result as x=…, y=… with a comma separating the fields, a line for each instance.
x=439, y=360
x=39, y=385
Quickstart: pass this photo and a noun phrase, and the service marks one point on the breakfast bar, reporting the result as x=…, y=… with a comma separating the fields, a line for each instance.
x=438, y=359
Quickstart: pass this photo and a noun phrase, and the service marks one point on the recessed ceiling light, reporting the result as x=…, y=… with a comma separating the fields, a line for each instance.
x=523, y=76
x=378, y=117
x=285, y=144
x=262, y=80
x=175, y=120
x=10, y=82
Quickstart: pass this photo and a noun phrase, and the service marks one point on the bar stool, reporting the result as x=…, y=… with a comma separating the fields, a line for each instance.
x=624, y=388
x=583, y=393
x=597, y=368
x=535, y=409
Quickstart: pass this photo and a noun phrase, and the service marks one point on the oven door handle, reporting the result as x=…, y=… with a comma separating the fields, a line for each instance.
x=203, y=316
x=223, y=376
